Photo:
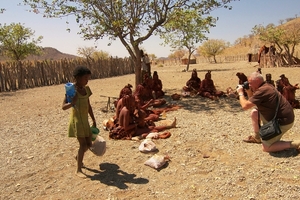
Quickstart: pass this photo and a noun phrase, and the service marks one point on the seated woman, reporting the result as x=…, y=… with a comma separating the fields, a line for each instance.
x=127, y=126
x=145, y=115
x=208, y=89
x=269, y=79
x=148, y=85
x=157, y=86
x=125, y=91
x=143, y=95
x=288, y=90
x=118, y=104
x=192, y=85
x=143, y=111
x=231, y=93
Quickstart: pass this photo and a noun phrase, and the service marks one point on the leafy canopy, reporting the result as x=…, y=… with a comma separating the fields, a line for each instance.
x=130, y=21
x=212, y=48
x=17, y=42
x=186, y=29
x=91, y=53
x=284, y=37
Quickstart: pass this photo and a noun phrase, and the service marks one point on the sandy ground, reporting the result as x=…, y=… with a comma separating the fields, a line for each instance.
x=208, y=158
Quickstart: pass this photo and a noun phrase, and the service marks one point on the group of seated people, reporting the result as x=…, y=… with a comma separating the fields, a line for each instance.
x=133, y=116
x=282, y=85
x=205, y=88
x=288, y=90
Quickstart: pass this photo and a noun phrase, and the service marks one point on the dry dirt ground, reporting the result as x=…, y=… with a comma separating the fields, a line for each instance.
x=208, y=158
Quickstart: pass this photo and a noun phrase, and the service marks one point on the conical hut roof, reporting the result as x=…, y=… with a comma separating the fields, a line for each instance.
x=186, y=56
x=254, y=49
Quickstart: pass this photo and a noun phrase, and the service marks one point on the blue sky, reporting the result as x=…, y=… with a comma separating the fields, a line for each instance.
x=231, y=25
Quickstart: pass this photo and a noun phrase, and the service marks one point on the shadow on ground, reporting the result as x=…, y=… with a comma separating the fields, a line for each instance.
x=285, y=153
x=112, y=175
x=198, y=103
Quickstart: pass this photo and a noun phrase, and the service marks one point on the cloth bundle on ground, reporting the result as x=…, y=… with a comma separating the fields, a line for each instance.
x=157, y=161
x=158, y=135
x=99, y=146
x=147, y=146
x=108, y=124
x=175, y=96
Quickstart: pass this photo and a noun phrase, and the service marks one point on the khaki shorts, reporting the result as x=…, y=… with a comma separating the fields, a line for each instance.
x=283, y=129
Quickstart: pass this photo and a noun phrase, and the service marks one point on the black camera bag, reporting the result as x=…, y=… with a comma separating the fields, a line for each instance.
x=272, y=128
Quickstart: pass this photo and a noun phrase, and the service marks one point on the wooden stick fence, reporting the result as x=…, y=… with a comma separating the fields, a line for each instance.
x=30, y=74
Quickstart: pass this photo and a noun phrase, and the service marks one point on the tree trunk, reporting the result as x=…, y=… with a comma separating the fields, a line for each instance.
x=21, y=76
x=138, y=74
x=189, y=59
x=188, y=65
x=215, y=59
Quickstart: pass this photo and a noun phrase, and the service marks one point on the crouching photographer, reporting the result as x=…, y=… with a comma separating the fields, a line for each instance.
x=265, y=99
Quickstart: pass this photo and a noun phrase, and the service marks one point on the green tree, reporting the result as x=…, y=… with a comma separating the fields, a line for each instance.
x=152, y=56
x=17, y=41
x=100, y=55
x=212, y=48
x=130, y=21
x=270, y=34
x=186, y=29
x=86, y=52
x=285, y=37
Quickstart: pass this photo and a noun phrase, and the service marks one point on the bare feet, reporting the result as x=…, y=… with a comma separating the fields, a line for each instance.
x=295, y=144
x=173, y=125
x=80, y=174
x=82, y=165
x=252, y=139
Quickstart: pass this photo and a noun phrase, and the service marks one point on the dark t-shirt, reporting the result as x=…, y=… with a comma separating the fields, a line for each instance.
x=266, y=101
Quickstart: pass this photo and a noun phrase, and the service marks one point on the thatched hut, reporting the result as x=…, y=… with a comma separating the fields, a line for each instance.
x=185, y=58
x=253, y=54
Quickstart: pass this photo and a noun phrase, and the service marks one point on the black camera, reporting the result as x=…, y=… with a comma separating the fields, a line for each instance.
x=245, y=85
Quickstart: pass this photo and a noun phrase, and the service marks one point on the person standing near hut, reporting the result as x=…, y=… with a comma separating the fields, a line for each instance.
x=148, y=64
x=144, y=66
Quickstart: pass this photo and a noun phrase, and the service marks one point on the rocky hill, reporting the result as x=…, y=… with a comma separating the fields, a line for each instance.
x=48, y=53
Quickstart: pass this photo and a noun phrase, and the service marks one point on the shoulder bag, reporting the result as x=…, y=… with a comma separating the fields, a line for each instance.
x=272, y=128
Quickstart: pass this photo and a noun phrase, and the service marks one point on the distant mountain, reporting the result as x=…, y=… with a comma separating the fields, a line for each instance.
x=162, y=58
x=48, y=53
